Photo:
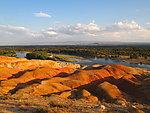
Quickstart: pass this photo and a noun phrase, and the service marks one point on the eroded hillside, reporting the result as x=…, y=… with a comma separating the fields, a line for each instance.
x=98, y=84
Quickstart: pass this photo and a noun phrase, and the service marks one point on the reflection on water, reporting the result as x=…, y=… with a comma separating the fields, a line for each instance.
x=100, y=61
x=20, y=55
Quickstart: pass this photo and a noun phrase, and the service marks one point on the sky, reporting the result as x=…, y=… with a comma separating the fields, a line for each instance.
x=50, y=21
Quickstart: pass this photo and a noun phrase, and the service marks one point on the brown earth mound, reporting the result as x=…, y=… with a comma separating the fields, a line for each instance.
x=108, y=91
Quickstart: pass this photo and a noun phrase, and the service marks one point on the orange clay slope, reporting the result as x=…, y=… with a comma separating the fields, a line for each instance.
x=60, y=77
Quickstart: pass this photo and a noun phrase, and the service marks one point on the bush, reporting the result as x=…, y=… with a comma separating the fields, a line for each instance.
x=45, y=56
x=38, y=55
x=8, y=53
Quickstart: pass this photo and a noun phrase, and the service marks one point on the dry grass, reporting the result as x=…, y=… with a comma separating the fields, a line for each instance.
x=2, y=110
x=54, y=104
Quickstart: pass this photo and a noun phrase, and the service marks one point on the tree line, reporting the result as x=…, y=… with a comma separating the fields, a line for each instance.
x=87, y=51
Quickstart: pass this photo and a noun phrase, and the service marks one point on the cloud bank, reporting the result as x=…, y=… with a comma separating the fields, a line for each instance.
x=148, y=23
x=119, y=31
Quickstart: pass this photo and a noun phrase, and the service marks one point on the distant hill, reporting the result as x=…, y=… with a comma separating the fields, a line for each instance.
x=86, y=43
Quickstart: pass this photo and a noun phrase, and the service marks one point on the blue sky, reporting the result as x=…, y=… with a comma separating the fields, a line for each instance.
x=59, y=20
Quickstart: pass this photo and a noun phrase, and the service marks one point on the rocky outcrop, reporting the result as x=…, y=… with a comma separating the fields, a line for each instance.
x=86, y=96
x=108, y=91
x=82, y=95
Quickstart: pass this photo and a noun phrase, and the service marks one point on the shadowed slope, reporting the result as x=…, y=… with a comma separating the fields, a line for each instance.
x=8, y=72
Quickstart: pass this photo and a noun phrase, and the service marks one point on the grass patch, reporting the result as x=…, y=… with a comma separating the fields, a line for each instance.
x=61, y=58
x=69, y=56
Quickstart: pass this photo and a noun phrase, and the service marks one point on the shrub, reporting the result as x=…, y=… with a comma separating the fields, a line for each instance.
x=37, y=55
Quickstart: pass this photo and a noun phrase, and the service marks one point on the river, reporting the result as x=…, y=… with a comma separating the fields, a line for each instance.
x=100, y=61
x=21, y=54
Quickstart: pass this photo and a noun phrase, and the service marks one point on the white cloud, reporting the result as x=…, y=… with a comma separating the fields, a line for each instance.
x=123, y=31
x=116, y=30
x=40, y=14
x=9, y=27
x=148, y=23
x=50, y=33
x=77, y=29
x=3, y=32
x=124, y=26
x=119, y=31
x=14, y=34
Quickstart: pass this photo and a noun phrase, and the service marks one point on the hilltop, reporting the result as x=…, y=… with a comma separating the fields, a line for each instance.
x=44, y=86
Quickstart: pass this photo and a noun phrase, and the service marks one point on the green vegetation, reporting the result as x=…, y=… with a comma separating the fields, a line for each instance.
x=61, y=58
x=68, y=56
x=45, y=56
x=89, y=51
x=115, y=52
x=9, y=53
x=38, y=55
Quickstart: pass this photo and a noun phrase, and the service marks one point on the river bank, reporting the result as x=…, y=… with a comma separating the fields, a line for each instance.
x=99, y=61
x=138, y=60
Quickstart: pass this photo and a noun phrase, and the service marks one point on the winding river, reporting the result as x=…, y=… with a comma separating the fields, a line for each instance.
x=100, y=61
